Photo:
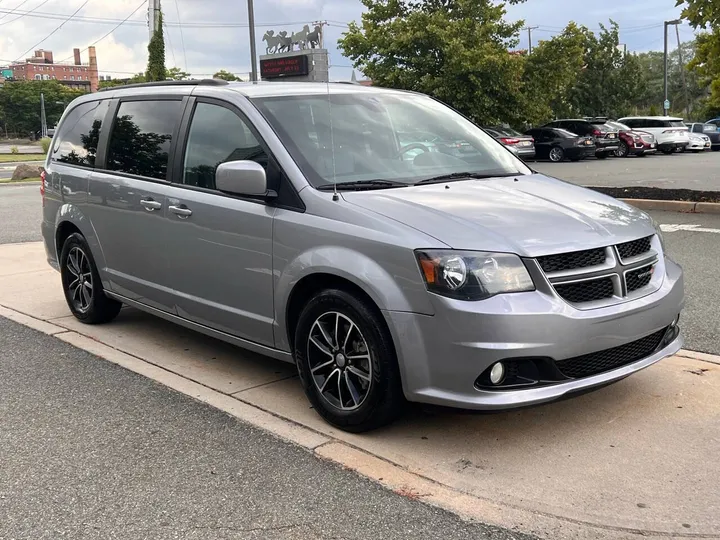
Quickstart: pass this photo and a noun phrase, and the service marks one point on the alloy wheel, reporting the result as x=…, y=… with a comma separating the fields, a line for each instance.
x=339, y=361
x=556, y=154
x=622, y=150
x=80, y=283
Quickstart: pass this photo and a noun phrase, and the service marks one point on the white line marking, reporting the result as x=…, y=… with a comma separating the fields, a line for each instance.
x=687, y=227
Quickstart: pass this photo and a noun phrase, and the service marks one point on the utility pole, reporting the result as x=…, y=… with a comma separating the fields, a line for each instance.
x=321, y=24
x=43, y=119
x=666, y=110
x=153, y=19
x=253, y=53
x=682, y=71
x=529, y=31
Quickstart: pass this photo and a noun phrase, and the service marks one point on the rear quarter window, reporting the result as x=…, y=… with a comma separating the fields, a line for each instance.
x=77, y=141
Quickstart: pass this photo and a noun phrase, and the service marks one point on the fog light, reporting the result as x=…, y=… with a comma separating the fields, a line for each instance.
x=497, y=373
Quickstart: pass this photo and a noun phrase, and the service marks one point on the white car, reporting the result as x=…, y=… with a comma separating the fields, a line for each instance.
x=670, y=132
x=698, y=143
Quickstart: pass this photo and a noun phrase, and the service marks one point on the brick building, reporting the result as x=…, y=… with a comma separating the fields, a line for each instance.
x=42, y=67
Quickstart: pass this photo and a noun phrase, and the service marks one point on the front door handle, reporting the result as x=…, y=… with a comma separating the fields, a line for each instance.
x=181, y=211
x=150, y=204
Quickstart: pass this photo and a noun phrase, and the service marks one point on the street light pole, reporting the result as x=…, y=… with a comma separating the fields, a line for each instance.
x=253, y=53
x=665, y=61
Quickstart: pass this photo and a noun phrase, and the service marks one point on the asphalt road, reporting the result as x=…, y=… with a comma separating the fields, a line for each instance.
x=676, y=171
x=697, y=252
x=91, y=450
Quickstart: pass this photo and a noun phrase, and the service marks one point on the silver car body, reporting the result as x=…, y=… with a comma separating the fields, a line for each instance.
x=230, y=269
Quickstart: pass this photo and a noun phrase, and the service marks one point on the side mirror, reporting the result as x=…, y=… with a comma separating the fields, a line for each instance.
x=242, y=178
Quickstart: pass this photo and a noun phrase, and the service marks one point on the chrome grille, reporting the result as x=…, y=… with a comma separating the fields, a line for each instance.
x=603, y=276
x=570, y=261
x=628, y=250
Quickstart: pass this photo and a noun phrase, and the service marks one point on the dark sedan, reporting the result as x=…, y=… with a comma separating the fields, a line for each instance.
x=606, y=138
x=558, y=144
x=522, y=145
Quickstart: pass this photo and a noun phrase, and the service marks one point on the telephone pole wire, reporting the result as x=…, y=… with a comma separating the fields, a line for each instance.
x=529, y=31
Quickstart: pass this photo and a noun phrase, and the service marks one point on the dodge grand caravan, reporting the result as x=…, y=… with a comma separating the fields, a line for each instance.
x=287, y=219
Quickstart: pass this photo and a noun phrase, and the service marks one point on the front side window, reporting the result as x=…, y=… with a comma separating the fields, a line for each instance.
x=77, y=141
x=357, y=136
x=217, y=135
x=141, y=137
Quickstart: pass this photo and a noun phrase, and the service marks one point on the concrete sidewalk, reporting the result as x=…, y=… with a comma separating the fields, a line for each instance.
x=638, y=458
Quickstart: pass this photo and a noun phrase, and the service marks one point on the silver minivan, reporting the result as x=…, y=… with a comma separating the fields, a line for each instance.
x=288, y=219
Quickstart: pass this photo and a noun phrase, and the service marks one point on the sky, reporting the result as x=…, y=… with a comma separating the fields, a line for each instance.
x=202, y=49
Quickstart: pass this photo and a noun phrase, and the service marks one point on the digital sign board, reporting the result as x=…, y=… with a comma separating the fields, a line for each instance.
x=292, y=66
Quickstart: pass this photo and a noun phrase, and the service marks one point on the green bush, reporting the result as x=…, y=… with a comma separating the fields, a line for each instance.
x=14, y=150
x=45, y=143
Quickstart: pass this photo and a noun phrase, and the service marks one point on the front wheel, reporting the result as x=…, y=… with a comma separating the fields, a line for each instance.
x=83, y=290
x=623, y=150
x=557, y=154
x=346, y=362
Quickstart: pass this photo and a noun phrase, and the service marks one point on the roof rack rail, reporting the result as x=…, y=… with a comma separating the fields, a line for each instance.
x=201, y=82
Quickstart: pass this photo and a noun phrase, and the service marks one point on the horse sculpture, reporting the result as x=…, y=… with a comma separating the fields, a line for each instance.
x=273, y=42
x=313, y=38
x=285, y=43
x=300, y=38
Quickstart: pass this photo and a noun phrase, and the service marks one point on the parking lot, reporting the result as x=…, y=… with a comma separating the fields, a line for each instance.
x=631, y=460
x=675, y=171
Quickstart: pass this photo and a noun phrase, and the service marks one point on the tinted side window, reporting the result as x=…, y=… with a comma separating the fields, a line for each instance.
x=217, y=135
x=78, y=139
x=141, y=137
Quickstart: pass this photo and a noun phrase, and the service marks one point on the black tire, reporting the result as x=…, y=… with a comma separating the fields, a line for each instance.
x=87, y=303
x=716, y=148
x=601, y=155
x=623, y=150
x=382, y=399
x=556, y=154
x=642, y=154
x=668, y=151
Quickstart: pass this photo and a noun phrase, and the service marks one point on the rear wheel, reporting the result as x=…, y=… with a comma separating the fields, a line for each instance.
x=346, y=362
x=557, y=154
x=667, y=151
x=84, y=292
x=623, y=150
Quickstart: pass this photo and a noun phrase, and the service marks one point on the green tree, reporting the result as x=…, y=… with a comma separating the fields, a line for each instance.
x=706, y=66
x=454, y=50
x=20, y=104
x=176, y=74
x=226, y=76
x=701, y=13
x=156, y=55
x=135, y=79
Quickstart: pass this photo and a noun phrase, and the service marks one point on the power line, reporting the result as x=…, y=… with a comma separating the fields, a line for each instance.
x=182, y=38
x=21, y=4
x=21, y=16
x=142, y=3
x=53, y=32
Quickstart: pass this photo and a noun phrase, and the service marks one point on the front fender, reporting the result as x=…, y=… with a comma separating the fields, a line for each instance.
x=364, y=272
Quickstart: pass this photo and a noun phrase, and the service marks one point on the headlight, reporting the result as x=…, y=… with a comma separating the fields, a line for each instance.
x=659, y=233
x=472, y=275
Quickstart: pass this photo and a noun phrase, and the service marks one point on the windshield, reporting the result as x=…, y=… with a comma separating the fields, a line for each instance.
x=357, y=137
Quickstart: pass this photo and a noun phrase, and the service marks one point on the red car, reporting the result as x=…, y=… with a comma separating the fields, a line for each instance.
x=632, y=142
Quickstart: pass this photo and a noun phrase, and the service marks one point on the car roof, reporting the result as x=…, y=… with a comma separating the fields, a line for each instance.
x=668, y=118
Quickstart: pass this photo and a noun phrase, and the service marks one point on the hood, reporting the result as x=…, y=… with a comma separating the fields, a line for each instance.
x=529, y=215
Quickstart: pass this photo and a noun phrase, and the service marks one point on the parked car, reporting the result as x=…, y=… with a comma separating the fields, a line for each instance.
x=632, y=142
x=606, y=138
x=522, y=145
x=714, y=122
x=558, y=144
x=281, y=218
x=709, y=130
x=670, y=132
x=698, y=143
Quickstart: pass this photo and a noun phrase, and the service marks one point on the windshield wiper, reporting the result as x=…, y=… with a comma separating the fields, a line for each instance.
x=362, y=184
x=462, y=176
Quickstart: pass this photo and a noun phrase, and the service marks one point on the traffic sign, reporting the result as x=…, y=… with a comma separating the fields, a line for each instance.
x=666, y=104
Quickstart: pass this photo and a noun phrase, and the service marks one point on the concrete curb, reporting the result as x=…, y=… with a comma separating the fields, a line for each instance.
x=20, y=183
x=675, y=206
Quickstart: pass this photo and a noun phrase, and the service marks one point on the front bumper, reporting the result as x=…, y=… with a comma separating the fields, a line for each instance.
x=441, y=356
